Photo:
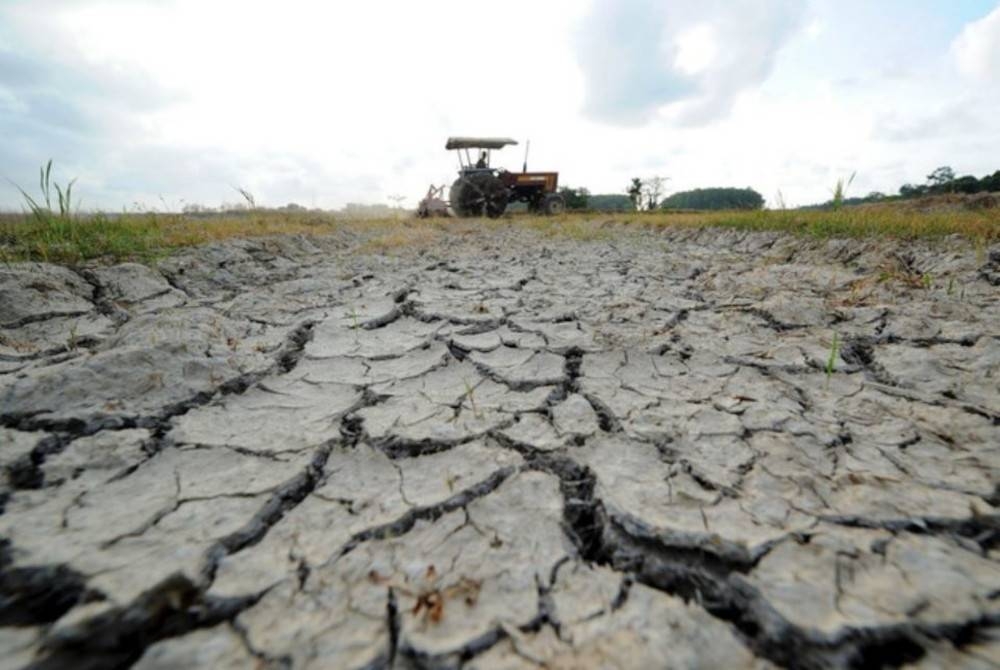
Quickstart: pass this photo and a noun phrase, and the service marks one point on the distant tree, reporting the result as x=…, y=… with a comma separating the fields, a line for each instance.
x=875, y=196
x=912, y=190
x=575, y=198
x=715, y=198
x=940, y=176
x=635, y=193
x=652, y=189
x=991, y=183
x=966, y=184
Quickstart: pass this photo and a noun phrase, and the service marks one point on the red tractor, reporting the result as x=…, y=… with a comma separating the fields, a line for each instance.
x=484, y=190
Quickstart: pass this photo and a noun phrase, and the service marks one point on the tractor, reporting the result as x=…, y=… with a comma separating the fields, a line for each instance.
x=484, y=190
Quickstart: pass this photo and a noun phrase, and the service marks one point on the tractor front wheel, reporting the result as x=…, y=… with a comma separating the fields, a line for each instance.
x=553, y=204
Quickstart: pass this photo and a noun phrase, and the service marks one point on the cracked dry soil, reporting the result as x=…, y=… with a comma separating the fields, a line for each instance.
x=502, y=450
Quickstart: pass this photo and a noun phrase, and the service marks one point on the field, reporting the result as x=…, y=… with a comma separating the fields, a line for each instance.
x=691, y=361
x=48, y=236
x=581, y=442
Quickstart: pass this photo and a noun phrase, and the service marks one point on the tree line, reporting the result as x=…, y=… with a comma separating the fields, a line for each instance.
x=715, y=198
x=943, y=180
x=647, y=194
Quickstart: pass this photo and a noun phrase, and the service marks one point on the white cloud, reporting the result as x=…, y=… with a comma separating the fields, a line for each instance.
x=326, y=103
x=977, y=49
x=697, y=49
x=356, y=98
x=641, y=56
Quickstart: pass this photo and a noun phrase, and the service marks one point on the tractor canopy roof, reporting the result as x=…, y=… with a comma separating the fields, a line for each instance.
x=478, y=142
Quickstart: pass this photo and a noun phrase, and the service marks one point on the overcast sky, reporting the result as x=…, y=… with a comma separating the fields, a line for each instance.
x=168, y=102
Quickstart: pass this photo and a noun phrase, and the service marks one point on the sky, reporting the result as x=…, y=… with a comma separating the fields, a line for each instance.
x=166, y=103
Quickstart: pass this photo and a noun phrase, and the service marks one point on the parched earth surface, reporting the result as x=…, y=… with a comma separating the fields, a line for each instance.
x=503, y=450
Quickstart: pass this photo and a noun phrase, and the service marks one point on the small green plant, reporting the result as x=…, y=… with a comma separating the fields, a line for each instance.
x=951, y=286
x=42, y=210
x=832, y=359
x=980, y=250
x=354, y=319
x=73, y=341
x=470, y=392
x=779, y=201
x=840, y=190
x=927, y=280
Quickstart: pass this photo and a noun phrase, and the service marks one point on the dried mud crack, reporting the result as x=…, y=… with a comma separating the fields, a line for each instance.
x=502, y=450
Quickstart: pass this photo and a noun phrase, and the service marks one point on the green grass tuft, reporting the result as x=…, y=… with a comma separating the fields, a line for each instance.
x=831, y=362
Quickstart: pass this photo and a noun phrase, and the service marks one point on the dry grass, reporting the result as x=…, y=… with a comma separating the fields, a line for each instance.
x=884, y=222
x=143, y=236
x=399, y=236
x=72, y=239
x=574, y=226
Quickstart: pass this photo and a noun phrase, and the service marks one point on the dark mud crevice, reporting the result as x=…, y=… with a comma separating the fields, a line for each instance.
x=521, y=386
x=99, y=297
x=38, y=318
x=571, y=369
x=398, y=311
x=263, y=660
x=171, y=279
x=117, y=638
x=33, y=595
x=789, y=368
x=288, y=496
x=720, y=589
x=606, y=419
x=178, y=605
x=294, y=347
x=581, y=510
x=456, y=352
x=860, y=352
x=26, y=473
x=407, y=521
x=942, y=400
x=396, y=447
x=701, y=573
x=990, y=271
x=774, y=324
x=53, y=355
x=484, y=323
x=983, y=530
x=708, y=552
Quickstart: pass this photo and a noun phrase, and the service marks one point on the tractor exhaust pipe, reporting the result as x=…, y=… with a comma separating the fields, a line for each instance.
x=527, y=145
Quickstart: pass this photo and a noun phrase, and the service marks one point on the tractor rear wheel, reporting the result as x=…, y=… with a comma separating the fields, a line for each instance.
x=478, y=195
x=554, y=204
